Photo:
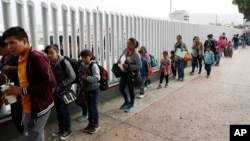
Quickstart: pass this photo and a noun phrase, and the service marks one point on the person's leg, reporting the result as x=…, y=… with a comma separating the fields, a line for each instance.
x=161, y=79
x=122, y=86
x=144, y=79
x=34, y=129
x=173, y=71
x=166, y=78
x=94, y=120
x=209, y=69
x=182, y=65
x=194, y=64
x=60, y=117
x=179, y=69
x=66, y=115
x=200, y=65
x=16, y=114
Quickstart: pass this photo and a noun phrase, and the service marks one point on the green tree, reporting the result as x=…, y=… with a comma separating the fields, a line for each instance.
x=244, y=7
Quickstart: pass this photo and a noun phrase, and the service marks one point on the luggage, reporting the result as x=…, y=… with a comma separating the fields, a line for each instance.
x=228, y=52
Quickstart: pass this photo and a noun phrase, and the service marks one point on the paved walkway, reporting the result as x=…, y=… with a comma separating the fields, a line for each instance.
x=198, y=109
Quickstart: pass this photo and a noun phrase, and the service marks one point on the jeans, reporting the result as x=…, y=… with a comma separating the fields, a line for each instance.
x=218, y=56
x=144, y=80
x=63, y=115
x=173, y=68
x=194, y=63
x=180, y=67
x=92, y=99
x=208, y=68
x=122, y=87
x=235, y=45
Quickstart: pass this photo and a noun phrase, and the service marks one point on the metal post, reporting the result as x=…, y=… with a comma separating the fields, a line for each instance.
x=20, y=13
x=32, y=24
x=65, y=30
x=45, y=22
x=74, y=45
x=54, y=13
x=6, y=14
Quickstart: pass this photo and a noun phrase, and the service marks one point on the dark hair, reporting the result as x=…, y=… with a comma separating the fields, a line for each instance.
x=17, y=31
x=209, y=35
x=165, y=52
x=87, y=52
x=172, y=52
x=133, y=40
x=54, y=46
x=2, y=43
x=179, y=36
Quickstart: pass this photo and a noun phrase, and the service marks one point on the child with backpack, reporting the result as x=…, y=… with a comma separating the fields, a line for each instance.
x=89, y=76
x=164, y=69
x=209, y=60
x=64, y=78
x=144, y=73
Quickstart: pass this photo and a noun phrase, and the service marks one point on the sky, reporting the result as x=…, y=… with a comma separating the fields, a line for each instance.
x=153, y=8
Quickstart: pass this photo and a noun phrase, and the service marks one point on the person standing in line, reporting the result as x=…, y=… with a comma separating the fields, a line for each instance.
x=173, y=63
x=9, y=62
x=164, y=69
x=219, y=50
x=209, y=60
x=89, y=74
x=132, y=63
x=198, y=52
x=144, y=72
x=150, y=73
x=212, y=43
x=36, y=89
x=180, y=61
x=235, y=41
x=64, y=78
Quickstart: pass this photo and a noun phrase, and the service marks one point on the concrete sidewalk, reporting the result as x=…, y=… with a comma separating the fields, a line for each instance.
x=198, y=109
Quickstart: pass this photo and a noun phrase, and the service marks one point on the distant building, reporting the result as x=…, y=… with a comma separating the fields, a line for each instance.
x=181, y=15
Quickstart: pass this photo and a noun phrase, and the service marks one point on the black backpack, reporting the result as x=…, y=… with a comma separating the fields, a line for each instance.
x=74, y=64
x=104, y=85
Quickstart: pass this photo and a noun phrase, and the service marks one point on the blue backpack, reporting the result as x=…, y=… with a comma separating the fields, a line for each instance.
x=154, y=62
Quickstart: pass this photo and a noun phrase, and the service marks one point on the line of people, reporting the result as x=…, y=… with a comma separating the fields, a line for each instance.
x=41, y=79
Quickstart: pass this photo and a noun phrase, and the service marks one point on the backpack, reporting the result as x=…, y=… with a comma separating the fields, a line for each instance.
x=104, y=85
x=154, y=62
x=74, y=64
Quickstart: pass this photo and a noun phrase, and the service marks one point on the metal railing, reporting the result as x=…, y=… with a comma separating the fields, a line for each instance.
x=105, y=33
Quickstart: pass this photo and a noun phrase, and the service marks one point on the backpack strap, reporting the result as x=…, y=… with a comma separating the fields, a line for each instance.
x=63, y=66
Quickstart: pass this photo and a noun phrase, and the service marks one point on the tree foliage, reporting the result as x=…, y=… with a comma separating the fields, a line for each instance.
x=243, y=7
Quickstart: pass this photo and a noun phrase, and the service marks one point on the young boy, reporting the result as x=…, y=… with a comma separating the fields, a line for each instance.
x=173, y=63
x=209, y=60
x=144, y=73
x=164, y=69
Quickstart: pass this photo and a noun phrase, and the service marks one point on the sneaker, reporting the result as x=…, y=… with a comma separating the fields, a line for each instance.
x=173, y=77
x=87, y=129
x=129, y=109
x=57, y=133
x=82, y=118
x=141, y=96
x=124, y=106
x=145, y=88
x=94, y=128
x=159, y=86
x=149, y=85
x=181, y=79
x=65, y=135
x=166, y=85
x=191, y=73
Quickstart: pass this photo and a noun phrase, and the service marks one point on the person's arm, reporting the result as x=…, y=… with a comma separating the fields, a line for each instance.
x=8, y=68
x=95, y=77
x=70, y=74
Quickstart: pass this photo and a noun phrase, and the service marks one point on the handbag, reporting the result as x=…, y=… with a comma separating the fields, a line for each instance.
x=67, y=96
x=116, y=70
x=134, y=78
x=188, y=57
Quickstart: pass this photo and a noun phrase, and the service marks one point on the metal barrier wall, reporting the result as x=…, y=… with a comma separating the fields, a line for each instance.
x=105, y=33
